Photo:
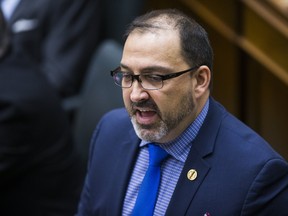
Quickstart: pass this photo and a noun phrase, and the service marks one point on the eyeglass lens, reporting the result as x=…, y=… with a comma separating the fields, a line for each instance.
x=146, y=81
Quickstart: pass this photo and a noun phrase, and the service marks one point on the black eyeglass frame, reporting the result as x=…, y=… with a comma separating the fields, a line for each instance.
x=163, y=77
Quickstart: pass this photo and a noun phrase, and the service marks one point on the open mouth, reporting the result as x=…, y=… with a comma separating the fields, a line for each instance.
x=146, y=116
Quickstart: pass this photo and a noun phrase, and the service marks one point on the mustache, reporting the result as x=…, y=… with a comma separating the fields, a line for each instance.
x=144, y=104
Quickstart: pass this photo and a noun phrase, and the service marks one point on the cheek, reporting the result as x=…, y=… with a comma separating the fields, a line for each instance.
x=126, y=96
x=166, y=102
x=172, y=100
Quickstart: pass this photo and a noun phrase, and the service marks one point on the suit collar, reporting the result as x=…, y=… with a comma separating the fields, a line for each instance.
x=29, y=10
x=21, y=6
x=128, y=151
x=202, y=146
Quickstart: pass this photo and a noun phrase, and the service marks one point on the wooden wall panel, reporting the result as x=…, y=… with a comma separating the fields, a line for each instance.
x=266, y=105
x=274, y=112
x=226, y=83
x=264, y=36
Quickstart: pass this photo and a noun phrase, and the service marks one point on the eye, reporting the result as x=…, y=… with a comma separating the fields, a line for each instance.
x=126, y=76
x=153, y=78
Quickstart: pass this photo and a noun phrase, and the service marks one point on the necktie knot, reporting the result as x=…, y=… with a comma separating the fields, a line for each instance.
x=156, y=155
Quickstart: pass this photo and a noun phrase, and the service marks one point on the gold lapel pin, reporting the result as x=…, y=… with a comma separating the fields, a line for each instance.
x=192, y=174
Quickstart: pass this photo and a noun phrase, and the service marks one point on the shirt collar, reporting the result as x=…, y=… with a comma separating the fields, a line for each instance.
x=180, y=147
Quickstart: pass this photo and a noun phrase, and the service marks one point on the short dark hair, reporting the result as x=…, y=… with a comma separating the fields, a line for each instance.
x=195, y=44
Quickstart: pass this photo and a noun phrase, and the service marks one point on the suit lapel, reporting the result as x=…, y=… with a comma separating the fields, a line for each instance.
x=186, y=189
x=28, y=11
x=127, y=155
x=22, y=5
x=202, y=146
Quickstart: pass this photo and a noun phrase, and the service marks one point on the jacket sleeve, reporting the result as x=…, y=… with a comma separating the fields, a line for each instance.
x=268, y=194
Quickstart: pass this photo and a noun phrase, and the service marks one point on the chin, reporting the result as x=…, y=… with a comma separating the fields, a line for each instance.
x=149, y=133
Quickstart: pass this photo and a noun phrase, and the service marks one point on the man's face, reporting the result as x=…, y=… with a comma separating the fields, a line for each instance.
x=158, y=115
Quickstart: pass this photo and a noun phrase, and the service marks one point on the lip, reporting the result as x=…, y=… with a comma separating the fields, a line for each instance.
x=145, y=116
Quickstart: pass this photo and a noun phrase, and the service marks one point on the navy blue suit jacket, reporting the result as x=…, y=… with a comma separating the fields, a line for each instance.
x=40, y=174
x=60, y=36
x=238, y=172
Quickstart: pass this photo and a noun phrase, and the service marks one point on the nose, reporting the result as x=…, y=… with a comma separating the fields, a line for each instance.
x=138, y=93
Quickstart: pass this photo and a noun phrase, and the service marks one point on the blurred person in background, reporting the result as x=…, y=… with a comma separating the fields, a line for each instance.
x=39, y=170
x=60, y=36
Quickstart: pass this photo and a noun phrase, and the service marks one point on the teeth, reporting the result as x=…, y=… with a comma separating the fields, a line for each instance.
x=144, y=110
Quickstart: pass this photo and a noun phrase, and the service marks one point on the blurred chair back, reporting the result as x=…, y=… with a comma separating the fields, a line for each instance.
x=99, y=94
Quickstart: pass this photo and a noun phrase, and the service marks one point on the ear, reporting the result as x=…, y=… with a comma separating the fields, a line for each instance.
x=202, y=80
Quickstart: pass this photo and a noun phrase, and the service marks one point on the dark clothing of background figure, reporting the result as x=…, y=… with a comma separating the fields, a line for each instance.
x=39, y=171
x=59, y=35
x=234, y=165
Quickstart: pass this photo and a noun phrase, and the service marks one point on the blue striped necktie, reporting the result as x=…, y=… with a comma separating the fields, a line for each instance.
x=148, y=192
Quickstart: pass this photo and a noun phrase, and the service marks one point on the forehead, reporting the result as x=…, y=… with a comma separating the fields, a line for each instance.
x=161, y=46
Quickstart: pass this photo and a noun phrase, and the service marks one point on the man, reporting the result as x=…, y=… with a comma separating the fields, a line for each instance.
x=40, y=173
x=60, y=36
x=216, y=164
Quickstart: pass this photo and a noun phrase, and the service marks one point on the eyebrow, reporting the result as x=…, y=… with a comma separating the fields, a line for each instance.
x=149, y=69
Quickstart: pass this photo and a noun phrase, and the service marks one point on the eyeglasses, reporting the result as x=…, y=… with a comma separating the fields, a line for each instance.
x=147, y=81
